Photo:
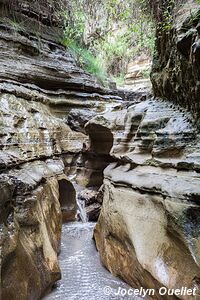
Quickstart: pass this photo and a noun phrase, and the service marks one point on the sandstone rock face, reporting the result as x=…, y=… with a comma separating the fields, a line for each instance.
x=30, y=229
x=45, y=101
x=42, y=88
x=136, y=69
x=176, y=71
x=149, y=224
x=28, y=134
x=148, y=230
x=137, y=74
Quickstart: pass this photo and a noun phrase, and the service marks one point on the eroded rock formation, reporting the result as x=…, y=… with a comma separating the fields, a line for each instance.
x=149, y=222
x=45, y=101
x=30, y=228
x=148, y=232
x=176, y=71
x=137, y=72
x=93, y=202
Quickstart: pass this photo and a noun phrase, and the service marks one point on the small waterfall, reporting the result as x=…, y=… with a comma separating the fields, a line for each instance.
x=81, y=211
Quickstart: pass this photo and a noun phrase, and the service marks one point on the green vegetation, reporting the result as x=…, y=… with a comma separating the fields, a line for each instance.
x=119, y=80
x=106, y=35
x=145, y=74
x=87, y=61
x=15, y=25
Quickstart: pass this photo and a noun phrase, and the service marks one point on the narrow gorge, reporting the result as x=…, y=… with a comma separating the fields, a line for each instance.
x=116, y=169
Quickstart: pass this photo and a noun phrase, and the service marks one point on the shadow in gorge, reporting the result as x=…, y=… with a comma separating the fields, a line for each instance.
x=83, y=275
x=101, y=138
x=67, y=198
x=101, y=143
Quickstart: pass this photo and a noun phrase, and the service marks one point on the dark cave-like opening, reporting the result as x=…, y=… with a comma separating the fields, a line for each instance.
x=67, y=198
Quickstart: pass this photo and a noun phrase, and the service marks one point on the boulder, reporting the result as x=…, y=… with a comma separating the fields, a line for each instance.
x=93, y=201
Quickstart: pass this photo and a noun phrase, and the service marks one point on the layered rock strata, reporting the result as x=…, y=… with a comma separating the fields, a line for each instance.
x=148, y=230
x=42, y=91
x=31, y=227
x=176, y=72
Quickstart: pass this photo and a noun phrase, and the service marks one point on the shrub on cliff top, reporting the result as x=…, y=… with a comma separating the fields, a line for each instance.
x=114, y=32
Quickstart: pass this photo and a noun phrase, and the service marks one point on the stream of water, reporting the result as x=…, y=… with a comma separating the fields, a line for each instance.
x=83, y=276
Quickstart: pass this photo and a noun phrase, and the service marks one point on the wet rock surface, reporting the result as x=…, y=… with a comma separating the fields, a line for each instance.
x=40, y=85
x=30, y=229
x=93, y=201
x=149, y=221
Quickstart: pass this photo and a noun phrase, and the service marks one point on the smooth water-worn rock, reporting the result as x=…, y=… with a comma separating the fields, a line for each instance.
x=30, y=229
x=27, y=132
x=148, y=230
x=41, y=139
x=149, y=222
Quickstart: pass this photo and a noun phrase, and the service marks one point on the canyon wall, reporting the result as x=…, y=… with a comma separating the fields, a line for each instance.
x=45, y=100
x=148, y=231
x=176, y=68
